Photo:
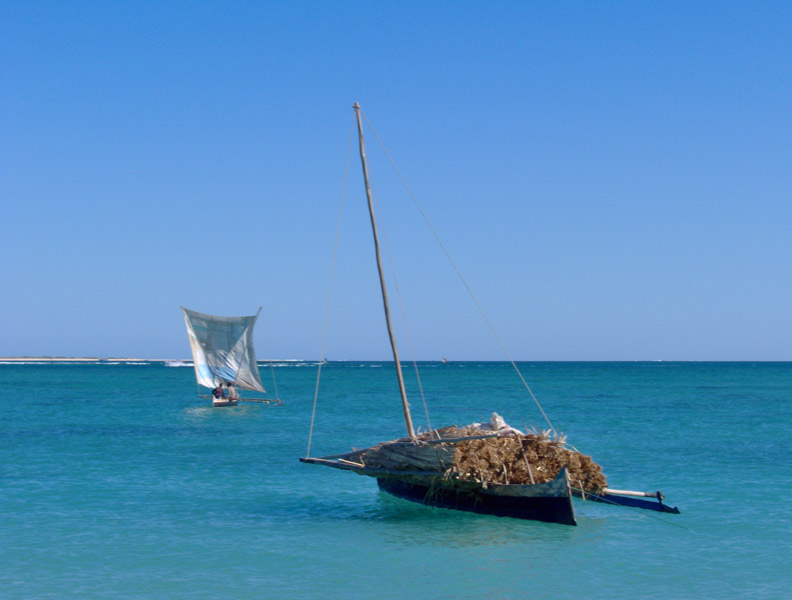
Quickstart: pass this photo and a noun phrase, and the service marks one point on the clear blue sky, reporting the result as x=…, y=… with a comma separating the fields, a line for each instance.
x=612, y=178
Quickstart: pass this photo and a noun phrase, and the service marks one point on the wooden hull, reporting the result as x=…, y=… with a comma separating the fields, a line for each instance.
x=550, y=502
x=218, y=403
x=235, y=401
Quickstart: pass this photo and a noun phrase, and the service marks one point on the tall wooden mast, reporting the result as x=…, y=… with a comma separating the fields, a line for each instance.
x=405, y=404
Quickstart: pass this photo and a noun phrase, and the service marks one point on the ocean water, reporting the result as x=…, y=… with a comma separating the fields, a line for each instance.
x=117, y=481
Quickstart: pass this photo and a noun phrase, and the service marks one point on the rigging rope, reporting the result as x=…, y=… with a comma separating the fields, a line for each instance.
x=403, y=312
x=330, y=291
x=461, y=278
x=272, y=368
x=274, y=383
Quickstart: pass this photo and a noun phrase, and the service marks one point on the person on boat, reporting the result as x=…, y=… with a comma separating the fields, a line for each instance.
x=219, y=392
x=233, y=394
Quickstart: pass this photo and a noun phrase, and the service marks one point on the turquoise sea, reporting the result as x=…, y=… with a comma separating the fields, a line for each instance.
x=117, y=481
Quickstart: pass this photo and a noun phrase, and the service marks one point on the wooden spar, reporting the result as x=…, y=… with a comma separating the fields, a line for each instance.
x=527, y=464
x=405, y=405
x=261, y=400
x=629, y=493
x=458, y=439
x=346, y=465
x=629, y=498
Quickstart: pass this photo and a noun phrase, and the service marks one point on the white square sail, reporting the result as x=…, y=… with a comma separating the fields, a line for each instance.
x=222, y=349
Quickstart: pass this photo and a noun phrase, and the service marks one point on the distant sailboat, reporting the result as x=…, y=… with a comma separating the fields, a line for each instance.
x=223, y=357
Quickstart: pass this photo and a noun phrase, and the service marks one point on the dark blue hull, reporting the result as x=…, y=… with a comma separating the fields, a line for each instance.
x=553, y=509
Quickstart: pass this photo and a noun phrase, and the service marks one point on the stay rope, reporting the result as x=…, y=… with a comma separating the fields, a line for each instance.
x=272, y=368
x=330, y=291
x=461, y=278
x=403, y=312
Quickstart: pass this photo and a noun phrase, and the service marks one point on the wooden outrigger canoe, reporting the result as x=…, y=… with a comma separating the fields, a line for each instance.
x=422, y=470
x=550, y=502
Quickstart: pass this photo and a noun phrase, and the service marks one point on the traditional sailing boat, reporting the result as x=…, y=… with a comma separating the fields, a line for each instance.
x=223, y=356
x=492, y=468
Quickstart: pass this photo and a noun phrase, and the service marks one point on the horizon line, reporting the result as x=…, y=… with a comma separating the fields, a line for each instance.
x=551, y=360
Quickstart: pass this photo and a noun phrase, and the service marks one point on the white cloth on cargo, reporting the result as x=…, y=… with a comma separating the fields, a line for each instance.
x=498, y=425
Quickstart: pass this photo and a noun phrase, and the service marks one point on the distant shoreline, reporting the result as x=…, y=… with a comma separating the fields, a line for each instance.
x=90, y=359
x=189, y=361
x=81, y=359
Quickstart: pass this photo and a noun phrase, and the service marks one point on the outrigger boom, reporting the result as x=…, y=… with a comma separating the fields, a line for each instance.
x=628, y=498
x=273, y=401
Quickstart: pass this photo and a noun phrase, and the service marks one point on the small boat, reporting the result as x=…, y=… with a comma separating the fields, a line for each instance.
x=453, y=467
x=177, y=363
x=224, y=358
x=423, y=469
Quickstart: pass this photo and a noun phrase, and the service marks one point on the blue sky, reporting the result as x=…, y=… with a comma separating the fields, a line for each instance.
x=612, y=179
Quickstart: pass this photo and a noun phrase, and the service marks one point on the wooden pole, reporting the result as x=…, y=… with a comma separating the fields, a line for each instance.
x=630, y=493
x=527, y=464
x=405, y=404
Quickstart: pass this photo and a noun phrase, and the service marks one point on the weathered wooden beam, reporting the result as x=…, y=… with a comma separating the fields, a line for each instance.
x=629, y=493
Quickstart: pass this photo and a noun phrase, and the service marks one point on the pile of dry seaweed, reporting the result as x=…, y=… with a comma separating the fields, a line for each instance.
x=506, y=459
x=501, y=456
